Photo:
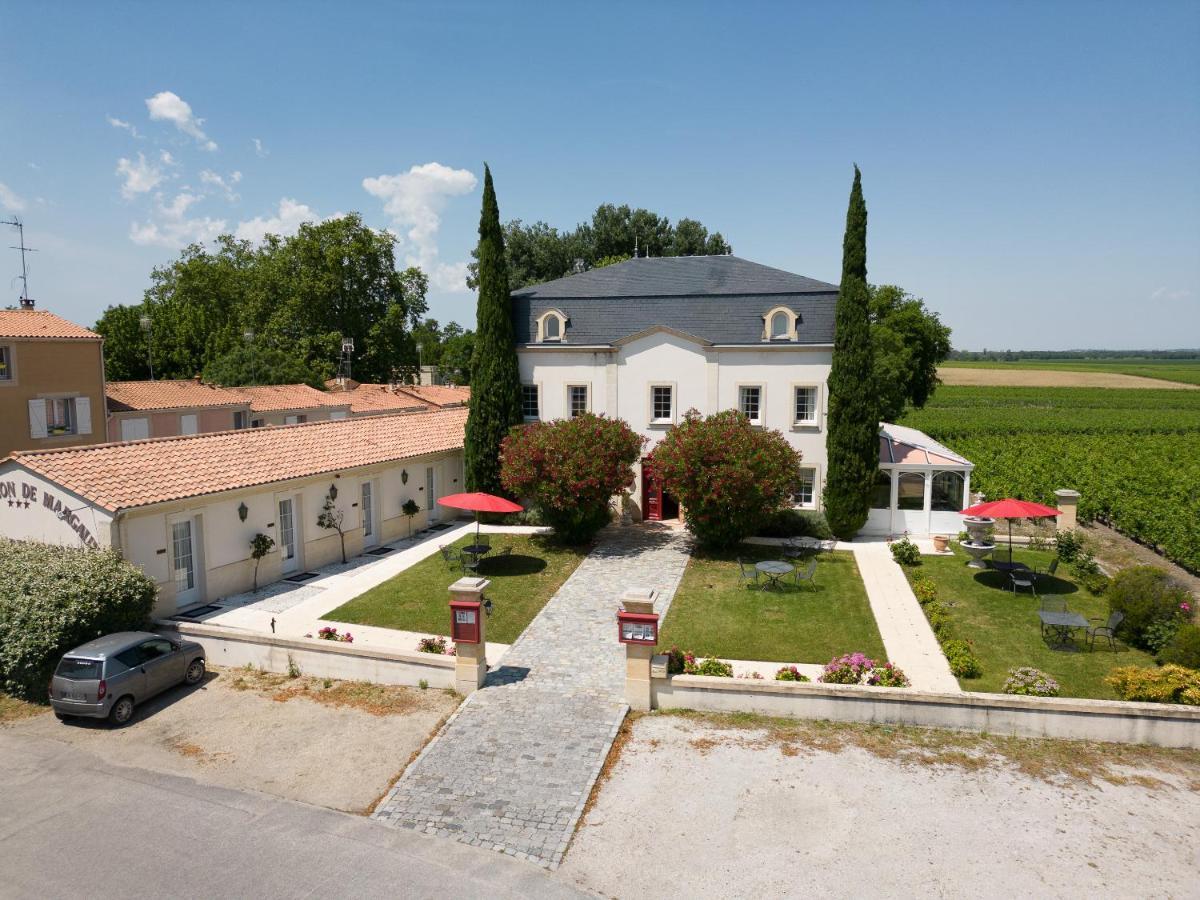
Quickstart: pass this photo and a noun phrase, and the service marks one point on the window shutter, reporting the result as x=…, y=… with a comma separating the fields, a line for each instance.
x=83, y=415
x=37, y=418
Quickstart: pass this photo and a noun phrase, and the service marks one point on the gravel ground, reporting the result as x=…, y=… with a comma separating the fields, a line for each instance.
x=339, y=757
x=697, y=810
x=1053, y=378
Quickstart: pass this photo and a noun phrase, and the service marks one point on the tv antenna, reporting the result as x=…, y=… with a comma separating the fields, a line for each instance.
x=344, y=364
x=16, y=223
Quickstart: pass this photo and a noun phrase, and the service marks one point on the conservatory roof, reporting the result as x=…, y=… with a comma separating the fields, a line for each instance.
x=900, y=445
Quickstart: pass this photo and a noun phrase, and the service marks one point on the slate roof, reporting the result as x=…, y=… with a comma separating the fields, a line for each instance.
x=38, y=323
x=124, y=396
x=720, y=299
x=138, y=473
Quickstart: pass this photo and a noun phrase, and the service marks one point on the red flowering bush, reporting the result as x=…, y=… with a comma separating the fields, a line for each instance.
x=571, y=468
x=729, y=476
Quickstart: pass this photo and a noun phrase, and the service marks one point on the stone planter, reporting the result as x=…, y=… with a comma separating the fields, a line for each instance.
x=941, y=543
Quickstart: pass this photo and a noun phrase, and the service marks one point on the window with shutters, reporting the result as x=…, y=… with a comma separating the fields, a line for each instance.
x=60, y=416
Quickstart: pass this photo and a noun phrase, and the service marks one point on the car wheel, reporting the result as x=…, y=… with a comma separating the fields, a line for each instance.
x=195, y=673
x=62, y=717
x=122, y=711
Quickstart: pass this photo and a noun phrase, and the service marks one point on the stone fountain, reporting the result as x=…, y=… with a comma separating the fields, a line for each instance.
x=978, y=544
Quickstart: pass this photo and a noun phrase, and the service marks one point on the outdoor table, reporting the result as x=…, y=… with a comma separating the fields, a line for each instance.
x=774, y=569
x=1009, y=567
x=1061, y=624
x=477, y=549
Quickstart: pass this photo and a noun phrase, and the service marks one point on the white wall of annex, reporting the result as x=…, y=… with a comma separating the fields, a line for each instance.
x=67, y=521
x=552, y=371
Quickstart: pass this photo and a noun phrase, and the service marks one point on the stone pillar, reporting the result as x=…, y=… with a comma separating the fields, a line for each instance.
x=470, y=662
x=1068, y=509
x=638, y=656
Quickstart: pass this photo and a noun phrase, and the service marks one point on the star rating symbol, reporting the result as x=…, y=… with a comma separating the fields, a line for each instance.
x=10, y=503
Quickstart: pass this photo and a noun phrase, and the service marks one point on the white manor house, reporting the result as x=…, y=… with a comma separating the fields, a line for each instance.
x=648, y=339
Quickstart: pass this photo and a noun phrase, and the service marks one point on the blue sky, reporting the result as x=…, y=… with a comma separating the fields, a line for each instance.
x=1032, y=170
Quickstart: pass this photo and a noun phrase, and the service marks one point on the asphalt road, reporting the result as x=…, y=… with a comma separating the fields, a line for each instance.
x=71, y=824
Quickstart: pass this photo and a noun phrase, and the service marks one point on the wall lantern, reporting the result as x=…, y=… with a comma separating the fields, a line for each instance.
x=404, y=476
x=487, y=606
x=333, y=492
x=243, y=511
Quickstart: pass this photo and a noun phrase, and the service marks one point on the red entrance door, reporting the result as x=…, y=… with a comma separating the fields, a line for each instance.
x=652, y=495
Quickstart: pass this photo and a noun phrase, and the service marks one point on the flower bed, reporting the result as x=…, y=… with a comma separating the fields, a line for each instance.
x=858, y=668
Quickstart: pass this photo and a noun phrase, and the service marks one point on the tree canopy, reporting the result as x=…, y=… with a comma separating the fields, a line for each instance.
x=252, y=365
x=450, y=348
x=908, y=342
x=297, y=295
x=538, y=252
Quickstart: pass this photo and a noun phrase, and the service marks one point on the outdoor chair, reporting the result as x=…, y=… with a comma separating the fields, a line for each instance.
x=452, y=557
x=470, y=563
x=1023, y=578
x=1052, y=604
x=793, y=549
x=807, y=575
x=484, y=540
x=746, y=576
x=1107, y=630
x=1049, y=573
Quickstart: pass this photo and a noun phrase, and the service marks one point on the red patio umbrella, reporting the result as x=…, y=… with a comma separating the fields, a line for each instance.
x=480, y=502
x=1010, y=508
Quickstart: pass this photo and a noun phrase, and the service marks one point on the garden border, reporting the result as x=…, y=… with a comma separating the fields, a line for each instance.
x=322, y=659
x=1163, y=725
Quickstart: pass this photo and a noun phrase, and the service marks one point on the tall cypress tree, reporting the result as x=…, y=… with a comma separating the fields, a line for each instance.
x=853, y=435
x=495, y=378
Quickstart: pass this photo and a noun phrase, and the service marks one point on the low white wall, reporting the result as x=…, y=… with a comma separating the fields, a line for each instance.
x=322, y=659
x=1164, y=725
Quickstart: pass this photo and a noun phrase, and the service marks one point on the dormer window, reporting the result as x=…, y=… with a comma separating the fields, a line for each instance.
x=779, y=325
x=550, y=327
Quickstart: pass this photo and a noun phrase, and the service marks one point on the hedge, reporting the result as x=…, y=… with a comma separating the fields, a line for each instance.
x=55, y=598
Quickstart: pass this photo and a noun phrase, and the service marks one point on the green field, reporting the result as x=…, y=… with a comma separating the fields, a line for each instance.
x=1133, y=454
x=1183, y=370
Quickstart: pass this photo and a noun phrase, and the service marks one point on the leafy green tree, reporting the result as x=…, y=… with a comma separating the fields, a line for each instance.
x=449, y=348
x=853, y=436
x=125, y=344
x=252, y=365
x=729, y=476
x=538, y=253
x=909, y=342
x=495, y=379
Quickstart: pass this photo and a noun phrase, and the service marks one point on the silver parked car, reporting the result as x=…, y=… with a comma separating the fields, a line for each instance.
x=107, y=677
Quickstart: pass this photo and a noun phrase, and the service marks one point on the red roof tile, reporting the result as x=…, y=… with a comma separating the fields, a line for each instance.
x=276, y=397
x=38, y=323
x=138, y=473
x=141, y=395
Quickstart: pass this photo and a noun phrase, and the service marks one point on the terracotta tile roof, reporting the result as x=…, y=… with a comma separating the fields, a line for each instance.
x=139, y=395
x=276, y=397
x=369, y=399
x=38, y=323
x=439, y=394
x=138, y=473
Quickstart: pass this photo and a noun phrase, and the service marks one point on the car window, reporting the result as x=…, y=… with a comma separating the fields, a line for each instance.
x=131, y=658
x=75, y=669
x=155, y=649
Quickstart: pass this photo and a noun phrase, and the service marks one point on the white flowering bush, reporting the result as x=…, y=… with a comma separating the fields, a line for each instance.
x=55, y=598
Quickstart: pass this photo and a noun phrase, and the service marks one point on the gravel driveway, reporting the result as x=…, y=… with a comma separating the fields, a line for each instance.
x=260, y=732
x=696, y=810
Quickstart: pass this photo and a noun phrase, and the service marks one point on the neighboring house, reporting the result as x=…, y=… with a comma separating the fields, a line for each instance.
x=291, y=404
x=648, y=339
x=184, y=509
x=151, y=409
x=388, y=399
x=51, y=382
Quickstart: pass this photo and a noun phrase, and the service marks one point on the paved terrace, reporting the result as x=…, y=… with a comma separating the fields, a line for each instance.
x=512, y=769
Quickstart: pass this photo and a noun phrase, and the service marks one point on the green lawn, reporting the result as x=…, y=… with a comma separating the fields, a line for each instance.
x=417, y=598
x=714, y=614
x=1006, y=630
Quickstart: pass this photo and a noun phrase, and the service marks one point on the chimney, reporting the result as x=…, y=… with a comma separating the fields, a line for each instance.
x=26, y=302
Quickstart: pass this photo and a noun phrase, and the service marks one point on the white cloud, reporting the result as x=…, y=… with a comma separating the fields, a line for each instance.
x=127, y=126
x=167, y=106
x=415, y=200
x=259, y=150
x=225, y=185
x=9, y=199
x=1165, y=293
x=167, y=159
x=170, y=226
x=34, y=166
x=287, y=220
x=140, y=176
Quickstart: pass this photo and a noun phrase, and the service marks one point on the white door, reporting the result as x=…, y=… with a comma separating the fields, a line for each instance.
x=289, y=558
x=135, y=429
x=431, y=494
x=370, y=532
x=183, y=563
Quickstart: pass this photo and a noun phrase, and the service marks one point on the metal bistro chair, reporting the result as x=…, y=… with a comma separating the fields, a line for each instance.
x=807, y=575
x=1024, y=578
x=1049, y=573
x=1107, y=630
x=452, y=557
x=746, y=576
x=1052, y=604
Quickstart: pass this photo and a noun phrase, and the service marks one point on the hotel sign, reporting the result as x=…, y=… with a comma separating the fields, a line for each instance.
x=24, y=496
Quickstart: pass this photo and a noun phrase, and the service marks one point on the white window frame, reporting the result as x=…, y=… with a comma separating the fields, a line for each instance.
x=762, y=400
x=812, y=503
x=72, y=416
x=537, y=386
x=650, y=417
x=815, y=421
x=769, y=319
x=587, y=398
x=8, y=356
x=542, y=337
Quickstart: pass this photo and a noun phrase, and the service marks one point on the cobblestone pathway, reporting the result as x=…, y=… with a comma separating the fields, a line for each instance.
x=513, y=767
